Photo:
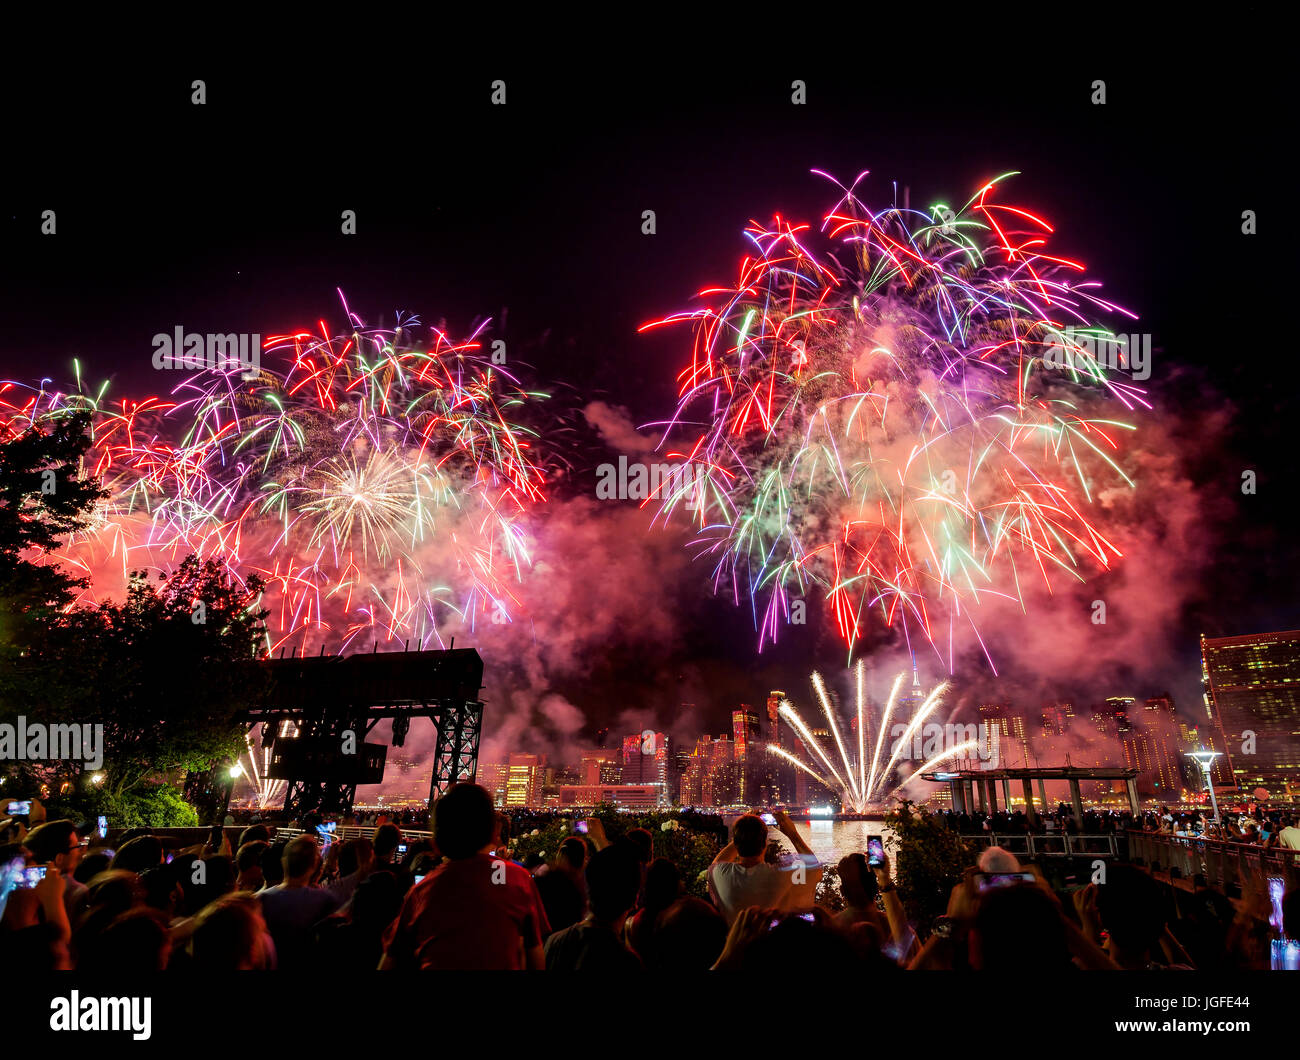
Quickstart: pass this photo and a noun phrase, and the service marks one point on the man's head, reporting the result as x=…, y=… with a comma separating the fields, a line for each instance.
x=1018, y=930
x=248, y=860
x=572, y=854
x=230, y=935
x=644, y=843
x=749, y=834
x=138, y=854
x=613, y=879
x=690, y=935
x=301, y=857
x=463, y=820
x=252, y=834
x=387, y=838
x=1132, y=908
x=355, y=855
x=995, y=860
x=57, y=842
x=858, y=883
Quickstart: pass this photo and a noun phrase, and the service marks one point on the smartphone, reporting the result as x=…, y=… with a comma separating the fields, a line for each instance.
x=214, y=839
x=987, y=881
x=102, y=830
x=580, y=827
x=418, y=879
x=875, y=852
x=767, y=818
x=19, y=809
x=401, y=850
x=28, y=877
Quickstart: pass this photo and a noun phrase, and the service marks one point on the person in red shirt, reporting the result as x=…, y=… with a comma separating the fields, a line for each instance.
x=474, y=911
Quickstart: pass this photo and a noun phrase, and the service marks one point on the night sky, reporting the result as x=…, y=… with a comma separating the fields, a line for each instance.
x=225, y=217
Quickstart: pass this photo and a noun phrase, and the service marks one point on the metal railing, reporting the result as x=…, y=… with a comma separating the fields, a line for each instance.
x=1033, y=845
x=356, y=832
x=1222, y=865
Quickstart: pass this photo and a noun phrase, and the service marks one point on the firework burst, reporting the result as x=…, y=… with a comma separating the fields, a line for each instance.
x=865, y=780
x=904, y=421
x=378, y=480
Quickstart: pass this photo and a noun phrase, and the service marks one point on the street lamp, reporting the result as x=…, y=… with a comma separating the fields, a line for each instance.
x=1205, y=759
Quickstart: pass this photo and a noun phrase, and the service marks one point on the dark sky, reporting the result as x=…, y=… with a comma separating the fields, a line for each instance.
x=226, y=217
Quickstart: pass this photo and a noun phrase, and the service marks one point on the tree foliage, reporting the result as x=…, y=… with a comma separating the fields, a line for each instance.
x=163, y=671
x=929, y=860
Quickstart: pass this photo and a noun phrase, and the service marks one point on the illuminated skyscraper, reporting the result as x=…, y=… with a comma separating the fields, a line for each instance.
x=720, y=785
x=646, y=758
x=1252, y=697
x=492, y=776
x=692, y=790
x=525, y=776
x=774, y=700
x=600, y=766
x=750, y=760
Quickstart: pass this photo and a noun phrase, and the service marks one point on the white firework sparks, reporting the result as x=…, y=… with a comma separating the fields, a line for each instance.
x=862, y=784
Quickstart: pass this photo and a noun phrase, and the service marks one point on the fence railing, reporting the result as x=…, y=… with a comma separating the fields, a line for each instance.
x=1055, y=844
x=1222, y=865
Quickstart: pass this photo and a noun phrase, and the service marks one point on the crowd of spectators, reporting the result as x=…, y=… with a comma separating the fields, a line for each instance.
x=1253, y=824
x=258, y=898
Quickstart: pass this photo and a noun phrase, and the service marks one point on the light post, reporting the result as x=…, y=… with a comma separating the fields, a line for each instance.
x=1205, y=759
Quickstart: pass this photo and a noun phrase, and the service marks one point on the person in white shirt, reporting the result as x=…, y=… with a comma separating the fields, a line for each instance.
x=1289, y=836
x=740, y=875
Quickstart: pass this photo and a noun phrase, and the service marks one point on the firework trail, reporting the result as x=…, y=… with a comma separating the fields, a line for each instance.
x=906, y=421
x=864, y=783
x=377, y=480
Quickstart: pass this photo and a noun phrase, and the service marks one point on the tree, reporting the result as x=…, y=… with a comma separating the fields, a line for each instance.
x=929, y=860
x=43, y=499
x=165, y=672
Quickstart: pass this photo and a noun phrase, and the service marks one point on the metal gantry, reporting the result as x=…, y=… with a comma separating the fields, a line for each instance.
x=334, y=701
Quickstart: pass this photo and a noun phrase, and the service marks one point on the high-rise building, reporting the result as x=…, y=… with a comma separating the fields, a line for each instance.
x=778, y=781
x=646, y=761
x=750, y=759
x=1252, y=696
x=492, y=776
x=693, y=774
x=525, y=778
x=744, y=728
x=1057, y=719
x=1121, y=708
x=1012, y=734
x=600, y=766
x=720, y=785
x=774, y=700
x=1153, y=751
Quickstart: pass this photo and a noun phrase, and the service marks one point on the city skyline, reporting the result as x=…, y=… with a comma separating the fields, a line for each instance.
x=727, y=765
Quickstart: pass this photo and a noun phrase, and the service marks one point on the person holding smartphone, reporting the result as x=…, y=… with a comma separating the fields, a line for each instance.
x=741, y=877
x=58, y=843
x=36, y=920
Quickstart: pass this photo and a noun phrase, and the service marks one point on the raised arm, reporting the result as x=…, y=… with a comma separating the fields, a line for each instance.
x=791, y=833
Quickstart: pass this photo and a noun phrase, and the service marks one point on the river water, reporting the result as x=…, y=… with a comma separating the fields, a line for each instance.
x=831, y=840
